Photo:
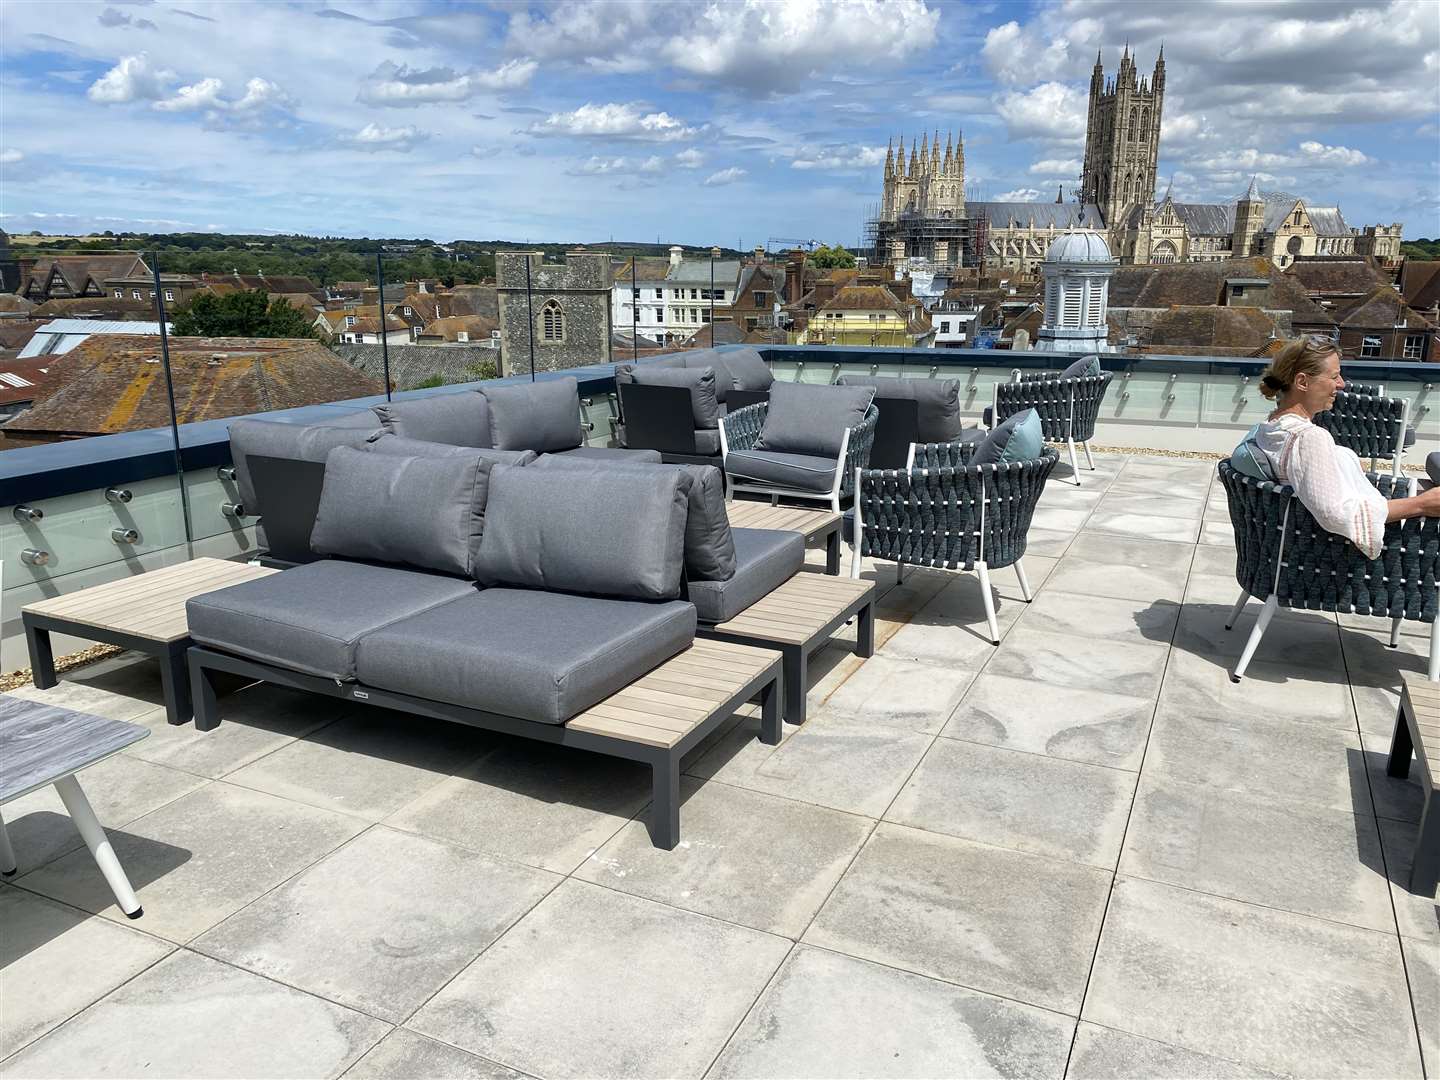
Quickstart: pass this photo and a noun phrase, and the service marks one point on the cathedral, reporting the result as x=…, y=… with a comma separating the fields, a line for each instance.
x=924, y=216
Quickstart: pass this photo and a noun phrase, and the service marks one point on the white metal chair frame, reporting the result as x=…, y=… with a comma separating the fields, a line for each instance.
x=776, y=490
x=1069, y=424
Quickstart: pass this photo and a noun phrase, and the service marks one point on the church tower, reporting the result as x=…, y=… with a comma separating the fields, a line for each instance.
x=1122, y=139
x=1249, y=220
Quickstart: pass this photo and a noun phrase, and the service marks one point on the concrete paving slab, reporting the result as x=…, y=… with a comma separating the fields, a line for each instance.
x=404, y=1055
x=995, y=920
x=745, y=857
x=818, y=1018
x=1303, y=858
x=1059, y=518
x=121, y=687
x=1216, y=561
x=906, y=694
x=1218, y=531
x=1276, y=990
x=416, y=911
x=1143, y=621
x=1154, y=526
x=1422, y=965
x=1082, y=576
x=369, y=764
x=1201, y=685
x=1078, y=725
x=120, y=789
x=1158, y=503
x=1051, y=543
x=1294, y=639
x=1417, y=915
x=1119, y=667
x=196, y=1017
x=1028, y=802
x=1144, y=554
x=1195, y=489
x=1398, y=797
x=57, y=961
x=544, y=806
x=1105, y=1054
x=200, y=858
x=598, y=984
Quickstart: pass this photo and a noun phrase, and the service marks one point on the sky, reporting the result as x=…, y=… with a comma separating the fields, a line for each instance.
x=733, y=123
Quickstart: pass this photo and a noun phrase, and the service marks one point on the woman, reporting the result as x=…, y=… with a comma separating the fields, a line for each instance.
x=1327, y=479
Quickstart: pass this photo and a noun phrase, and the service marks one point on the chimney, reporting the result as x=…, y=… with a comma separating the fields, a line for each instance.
x=676, y=254
x=759, y=254
x=795, y=276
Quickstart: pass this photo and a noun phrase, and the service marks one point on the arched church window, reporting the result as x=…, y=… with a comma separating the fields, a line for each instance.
x=1164, y=253
x=552, y=321
x=1134, y=119
x=1145, y=125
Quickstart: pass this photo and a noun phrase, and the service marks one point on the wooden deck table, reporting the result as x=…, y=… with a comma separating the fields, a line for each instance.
x=811, y=524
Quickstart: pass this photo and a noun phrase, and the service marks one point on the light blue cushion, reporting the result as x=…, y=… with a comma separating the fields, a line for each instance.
x=1020, y=438
x=1249, y=460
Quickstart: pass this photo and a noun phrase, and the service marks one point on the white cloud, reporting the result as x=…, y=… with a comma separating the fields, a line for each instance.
x=113, y=19
x=374, y=138
x=260, y=94
x=1066, y=167
x=9, y=156
x=132, y=79
x=597, y=165
x=1051, y=111
x=725, y=176
x=204, y=94
x=616, y=121
x=398, y=85
x=1013, y=57
x=840, y=158
x=690, y=159
x=1027, y=194
x=1333, y=155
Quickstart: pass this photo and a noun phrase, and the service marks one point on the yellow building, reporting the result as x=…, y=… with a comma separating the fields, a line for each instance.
x=866, y=315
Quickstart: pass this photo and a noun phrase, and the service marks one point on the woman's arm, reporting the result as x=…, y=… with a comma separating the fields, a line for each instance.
x=1426, y=504
x=1344, y=504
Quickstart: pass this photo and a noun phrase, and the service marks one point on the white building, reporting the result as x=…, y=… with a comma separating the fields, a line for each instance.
x=955, y=323
x=1076, y=271
x=670, y=301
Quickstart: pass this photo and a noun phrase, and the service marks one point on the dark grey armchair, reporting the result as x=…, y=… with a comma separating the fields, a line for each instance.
x=1068, y=407
x=1372, y=425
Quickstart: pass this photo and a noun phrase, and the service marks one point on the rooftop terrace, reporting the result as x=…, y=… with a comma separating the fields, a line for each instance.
x=1085, y=852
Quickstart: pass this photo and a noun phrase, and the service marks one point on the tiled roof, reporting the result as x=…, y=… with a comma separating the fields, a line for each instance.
x=1004, y=215
x=1202, y=283
x=1338, y=277
x=865, y=298
x=1382, y=307
x=78, y=269
x=647, y=269
x=470, y=300
x=696, y=271
x=1228, y=327
x=14, y=302
x=95, y=307
x=476, y=326
x=270, y=283
x=116, y=383
x=1420, y=281
x=20, y=380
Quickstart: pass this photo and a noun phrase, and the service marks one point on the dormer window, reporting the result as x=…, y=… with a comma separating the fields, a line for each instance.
x=349, y=320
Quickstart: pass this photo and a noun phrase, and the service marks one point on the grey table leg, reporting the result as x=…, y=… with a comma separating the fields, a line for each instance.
x=832, y=553
x=78, y=807
x=42, y=659
x=1425, y=866
x=772, y=704
x=175, y=680
x=7, y=853
x=202, y=689
x=665, y=808
x=865, y=632
x=1400, y=747
x=796, y=673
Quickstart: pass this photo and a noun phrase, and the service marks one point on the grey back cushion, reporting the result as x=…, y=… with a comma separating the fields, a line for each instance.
x=937, y=401
x=461, y=418
x=709, y=546
x=382, y=442
x=747, y=367
x=425, y=512
x=1086, y=365
x=807, y=418
x=540, y=416
x=701, y=382
x=699, y=359
x=297, y=442
x=606, y=532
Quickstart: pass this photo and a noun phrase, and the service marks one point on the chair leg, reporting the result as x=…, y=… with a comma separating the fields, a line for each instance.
x=8, y=865
x=983, y=572
x=1237, y=609
x=1089, y=461
x=1266, y=614
x=1434, y=673
x=855, y=561
x=1074, y=465
x=1024, y=581
x=899, y=572
x=78, y=807
x=1395, y=632
x=774, y=500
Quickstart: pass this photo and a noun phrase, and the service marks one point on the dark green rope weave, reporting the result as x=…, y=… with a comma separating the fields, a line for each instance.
x=743, y=428
x=1051, y=398
x=1325, y=572
x=931, y=516
x=1366, y=423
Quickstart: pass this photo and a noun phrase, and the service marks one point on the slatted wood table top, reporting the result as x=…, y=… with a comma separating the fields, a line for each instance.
x=149, y=605
x=41, y=743
x=1421, y=698
x=749, y=514
x=661, y=708
x=800, y=609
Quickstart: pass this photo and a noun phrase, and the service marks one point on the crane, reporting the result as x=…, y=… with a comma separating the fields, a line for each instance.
x=808, y=245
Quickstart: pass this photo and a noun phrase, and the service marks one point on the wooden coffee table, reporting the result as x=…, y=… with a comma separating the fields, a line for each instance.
x=145, y=613
x=811, y=524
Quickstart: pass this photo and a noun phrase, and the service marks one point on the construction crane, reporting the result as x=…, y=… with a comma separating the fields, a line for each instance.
x=790, y=241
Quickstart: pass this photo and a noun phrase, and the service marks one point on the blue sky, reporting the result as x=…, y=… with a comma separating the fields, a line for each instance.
x=691, y=123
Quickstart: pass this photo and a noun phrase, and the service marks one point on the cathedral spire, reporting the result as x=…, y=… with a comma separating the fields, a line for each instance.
x=1060, y=194
x=935, y=154
x=949, y=154
x=914, y=172
x=1169, y=189
x=924, y=151
x=1253, y=193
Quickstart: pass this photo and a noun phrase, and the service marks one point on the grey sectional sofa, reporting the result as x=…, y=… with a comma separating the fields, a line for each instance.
x=653, y=399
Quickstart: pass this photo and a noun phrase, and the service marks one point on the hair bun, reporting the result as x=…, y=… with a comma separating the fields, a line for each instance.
x=1271, y=380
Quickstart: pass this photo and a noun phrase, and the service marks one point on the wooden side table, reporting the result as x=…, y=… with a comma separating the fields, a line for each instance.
x=145, y=613
x=1417, y=731
x=811, y=524
x=44, y=744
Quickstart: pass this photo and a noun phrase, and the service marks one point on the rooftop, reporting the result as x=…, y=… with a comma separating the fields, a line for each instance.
x=1085, y=852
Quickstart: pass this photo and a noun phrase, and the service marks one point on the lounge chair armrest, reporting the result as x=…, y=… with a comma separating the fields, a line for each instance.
x=743, y=426
x=857, y=449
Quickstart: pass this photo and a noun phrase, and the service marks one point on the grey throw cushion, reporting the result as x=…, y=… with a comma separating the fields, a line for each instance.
x=541, y=416
x=1019, y=438
x=311, y=617
x=540, y=656
x=603, y=532
x=461, y=418
x=382, y=442
x=1086, y=365
x=709, y=549
x=701, y=382
x=764, y=560
x=426, y=512
x=747, y=367
x=937, y=402
x=806, y=418
x=295, y=442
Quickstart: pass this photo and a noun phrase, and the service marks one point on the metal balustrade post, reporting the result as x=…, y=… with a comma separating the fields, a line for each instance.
x=170, y=394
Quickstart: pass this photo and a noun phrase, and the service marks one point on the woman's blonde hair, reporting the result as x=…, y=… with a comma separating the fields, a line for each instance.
x=1300, y=356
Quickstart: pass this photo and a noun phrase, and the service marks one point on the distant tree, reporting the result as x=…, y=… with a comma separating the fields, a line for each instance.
x=242, y=314
x=431, y=382
x=825, y=257
x=483, y=369
x=1424, y=248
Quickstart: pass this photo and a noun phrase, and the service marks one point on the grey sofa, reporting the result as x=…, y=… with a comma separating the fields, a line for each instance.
x=653, y=414
x=912, y=411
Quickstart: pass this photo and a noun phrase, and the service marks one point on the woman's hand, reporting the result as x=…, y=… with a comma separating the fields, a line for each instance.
x=1426, y=504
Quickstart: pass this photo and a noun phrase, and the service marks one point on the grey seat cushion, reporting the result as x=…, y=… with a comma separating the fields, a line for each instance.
x=295, y=442
x=461, y=418
x=702, y=382
x=418, y=511
x=382, y=442
x=806, y=418
x=539, y=656
x=709, y=551
x=937, y=402
x=614, y=453
x=606, y=532
x=707, y=441
x=804, y=472
x=541, y=416
x=309, y=618
x=764, y=560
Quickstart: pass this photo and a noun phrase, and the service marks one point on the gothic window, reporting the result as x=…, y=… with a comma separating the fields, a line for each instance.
x=1145, y=125
x=1125, y=189
x=552, y=321
x=1134, y=119
x=1164, y=253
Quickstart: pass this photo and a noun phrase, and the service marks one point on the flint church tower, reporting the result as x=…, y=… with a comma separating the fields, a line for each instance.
x=1122, y=139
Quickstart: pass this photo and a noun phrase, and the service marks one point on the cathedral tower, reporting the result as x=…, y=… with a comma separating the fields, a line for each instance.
x=1249, y=220
x=1122, y=139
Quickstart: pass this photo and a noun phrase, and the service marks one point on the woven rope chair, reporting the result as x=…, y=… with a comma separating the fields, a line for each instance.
x=1068, y=408
x=946, y=513
x=1283, y=555
x=1368, y=423
x=740, y=430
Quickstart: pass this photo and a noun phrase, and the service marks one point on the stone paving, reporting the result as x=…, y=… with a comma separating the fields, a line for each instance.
x=1082, y=853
